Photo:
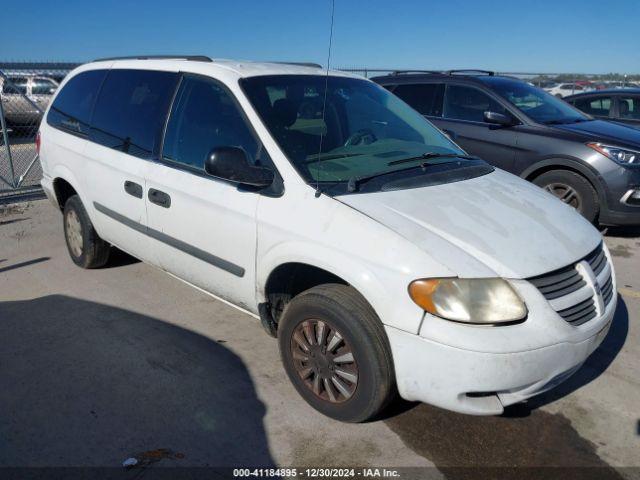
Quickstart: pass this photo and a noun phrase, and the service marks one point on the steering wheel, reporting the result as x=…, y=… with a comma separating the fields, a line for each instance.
x=364, y=136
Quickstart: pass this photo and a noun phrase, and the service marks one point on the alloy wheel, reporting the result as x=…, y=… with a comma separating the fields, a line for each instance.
x=566, y=193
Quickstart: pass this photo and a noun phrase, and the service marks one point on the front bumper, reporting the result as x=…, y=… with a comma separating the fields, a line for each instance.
x=481, y=383
x=621, y=185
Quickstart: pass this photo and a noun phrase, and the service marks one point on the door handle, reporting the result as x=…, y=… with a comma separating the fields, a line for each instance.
x=159, y=198
x=133, y=188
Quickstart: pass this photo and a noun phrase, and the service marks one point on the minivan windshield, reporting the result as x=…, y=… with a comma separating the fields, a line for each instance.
x=534, y=102
x=363, y=132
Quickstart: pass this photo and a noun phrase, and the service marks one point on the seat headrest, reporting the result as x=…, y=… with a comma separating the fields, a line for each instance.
x=285, y=112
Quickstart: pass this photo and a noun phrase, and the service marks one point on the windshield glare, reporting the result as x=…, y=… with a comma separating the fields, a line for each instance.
x=534, y=102
x=362, y=129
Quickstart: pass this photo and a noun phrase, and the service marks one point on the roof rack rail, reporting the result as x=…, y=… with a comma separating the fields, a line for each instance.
x=404, y=72
x=471, y=70
x=195, y=58
x=300, y=64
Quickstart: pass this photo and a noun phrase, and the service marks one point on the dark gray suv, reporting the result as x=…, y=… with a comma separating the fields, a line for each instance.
x=591, y=164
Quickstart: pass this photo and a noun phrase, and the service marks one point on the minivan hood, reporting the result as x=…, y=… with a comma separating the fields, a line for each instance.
x=605, y=132
x=514, y=228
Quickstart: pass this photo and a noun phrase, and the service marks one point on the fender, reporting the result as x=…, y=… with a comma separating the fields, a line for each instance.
x=401, y=313
x=571, y=163
x=63, y=172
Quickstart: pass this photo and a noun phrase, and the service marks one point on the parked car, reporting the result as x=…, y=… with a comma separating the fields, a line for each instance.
x=620, y=105
x=590, y=164
x=380, y=255
x=24, y=98
x=563, y=89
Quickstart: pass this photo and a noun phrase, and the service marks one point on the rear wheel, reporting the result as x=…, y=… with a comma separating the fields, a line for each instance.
x=336, y=353
x=573, y=189
x=86, y=248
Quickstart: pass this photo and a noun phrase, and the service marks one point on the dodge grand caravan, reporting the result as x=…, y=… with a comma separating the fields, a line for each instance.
x=382, y=257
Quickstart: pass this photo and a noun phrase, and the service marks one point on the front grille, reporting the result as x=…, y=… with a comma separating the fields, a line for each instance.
x=561, y=286
x=607, y=290
x=597, y=260
x=579, y=313
x=559, y=283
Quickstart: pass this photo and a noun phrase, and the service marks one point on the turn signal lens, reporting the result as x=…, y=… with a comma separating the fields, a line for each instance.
x=469, y=300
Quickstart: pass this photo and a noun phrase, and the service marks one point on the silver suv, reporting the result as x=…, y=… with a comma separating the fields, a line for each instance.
x=25, y=98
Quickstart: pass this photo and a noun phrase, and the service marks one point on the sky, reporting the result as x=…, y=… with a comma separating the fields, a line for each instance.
x=537, y=36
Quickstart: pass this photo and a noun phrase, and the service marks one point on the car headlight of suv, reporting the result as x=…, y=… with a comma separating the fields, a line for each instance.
x=483, y=301
x=623, y=156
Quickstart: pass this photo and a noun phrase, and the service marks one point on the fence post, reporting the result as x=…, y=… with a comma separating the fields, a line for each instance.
x=5, y=137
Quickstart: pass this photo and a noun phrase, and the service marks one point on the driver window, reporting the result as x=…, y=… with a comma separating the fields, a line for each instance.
x=468, y=103
x=203, y=117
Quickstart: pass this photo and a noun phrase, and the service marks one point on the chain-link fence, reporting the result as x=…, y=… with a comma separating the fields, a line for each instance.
x=25, y=92
x=27, y=88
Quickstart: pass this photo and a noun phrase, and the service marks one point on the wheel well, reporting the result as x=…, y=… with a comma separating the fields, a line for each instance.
x=63, y=191
x=548, y=168
x=291, y=279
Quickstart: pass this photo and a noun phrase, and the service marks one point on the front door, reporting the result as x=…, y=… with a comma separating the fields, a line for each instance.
x=463, y=114
x=205, y=228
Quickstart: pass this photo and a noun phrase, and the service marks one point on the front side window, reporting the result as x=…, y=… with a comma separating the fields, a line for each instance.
x=42, y=86
x=468, y=103
x=72, y=107
x=534, y=102
x=425, y=98
x=131, y=110
x=205, y=116
x=599, y=107
x=629, y=107
x=362, y=130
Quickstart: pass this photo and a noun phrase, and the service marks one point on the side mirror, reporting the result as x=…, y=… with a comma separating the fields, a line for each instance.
x=498, y=119
x=232, y=164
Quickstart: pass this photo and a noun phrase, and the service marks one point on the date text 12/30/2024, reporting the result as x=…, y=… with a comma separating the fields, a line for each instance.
x=316, y=472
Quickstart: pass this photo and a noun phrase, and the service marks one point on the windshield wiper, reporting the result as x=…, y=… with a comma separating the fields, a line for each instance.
x=430, y=155
x=330, y=156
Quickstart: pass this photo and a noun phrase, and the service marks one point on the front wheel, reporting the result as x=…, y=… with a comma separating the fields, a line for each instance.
x=336, y=353
x=573, y=189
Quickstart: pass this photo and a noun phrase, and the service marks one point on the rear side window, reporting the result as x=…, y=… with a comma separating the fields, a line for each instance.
x=15, y=86
x=425, y=98
x=599, y=107
x=71, y=110
x=204, y=116
x=468, y=103
x=131, y=110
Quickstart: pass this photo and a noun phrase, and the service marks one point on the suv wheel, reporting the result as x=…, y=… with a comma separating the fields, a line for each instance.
x=573, y=189
x=86, y=248
x=336, y=353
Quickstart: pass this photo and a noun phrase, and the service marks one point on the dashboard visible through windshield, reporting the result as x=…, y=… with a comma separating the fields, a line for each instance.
x=339, y=131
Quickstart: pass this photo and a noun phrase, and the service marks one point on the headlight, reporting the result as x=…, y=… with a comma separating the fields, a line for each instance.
x=622, y=156
x=470, y=300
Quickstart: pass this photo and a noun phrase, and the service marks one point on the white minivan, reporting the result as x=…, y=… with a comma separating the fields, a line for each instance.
x=382, y=257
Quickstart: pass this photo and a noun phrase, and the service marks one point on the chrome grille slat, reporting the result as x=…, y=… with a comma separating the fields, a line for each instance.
x=568, y=292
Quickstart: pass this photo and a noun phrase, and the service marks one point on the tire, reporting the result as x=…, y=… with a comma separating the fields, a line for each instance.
x=86, y=248
x=342, y=309
x=562, y=182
